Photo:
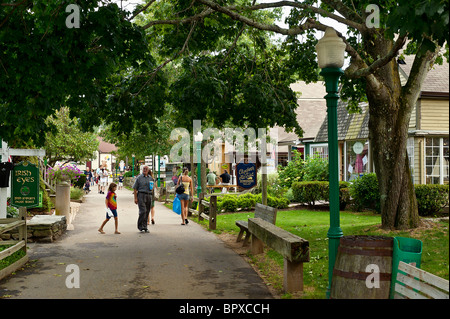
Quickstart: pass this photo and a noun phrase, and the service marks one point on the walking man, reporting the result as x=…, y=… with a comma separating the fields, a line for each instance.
x=143, y=196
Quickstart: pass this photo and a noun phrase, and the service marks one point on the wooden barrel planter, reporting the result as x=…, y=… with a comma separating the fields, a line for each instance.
x=357, y=260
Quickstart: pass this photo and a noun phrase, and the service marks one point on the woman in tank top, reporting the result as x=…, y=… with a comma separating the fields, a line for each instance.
x=185, y=199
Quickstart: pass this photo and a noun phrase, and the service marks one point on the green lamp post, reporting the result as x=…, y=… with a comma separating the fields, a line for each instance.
x=330, y=54
x=198, y=144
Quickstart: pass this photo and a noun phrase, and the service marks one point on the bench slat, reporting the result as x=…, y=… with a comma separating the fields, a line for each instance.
x=408, y=292
x=424, y=276
x=421, y=287
x=266, y=213
x=290, y=246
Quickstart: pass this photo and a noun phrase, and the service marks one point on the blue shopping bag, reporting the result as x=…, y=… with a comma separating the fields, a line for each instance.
x=176, y=207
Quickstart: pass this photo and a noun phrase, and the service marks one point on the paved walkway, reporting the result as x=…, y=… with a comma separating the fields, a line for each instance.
x=170, y=262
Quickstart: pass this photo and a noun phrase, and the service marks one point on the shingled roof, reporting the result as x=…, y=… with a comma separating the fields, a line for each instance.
x=350, y=126
x=311, y=111
x=356, y=126
x=437, y=80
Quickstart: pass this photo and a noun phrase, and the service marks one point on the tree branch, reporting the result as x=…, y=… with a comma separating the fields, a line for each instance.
x=348, y=13
x=155, y=71
x=320, y=11
x=261, y=26
x=180, y=21
x=419, y=70
x=362, y=72
x=141, y=10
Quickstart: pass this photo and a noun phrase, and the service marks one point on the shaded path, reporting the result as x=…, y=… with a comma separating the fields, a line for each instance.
x=170, y=262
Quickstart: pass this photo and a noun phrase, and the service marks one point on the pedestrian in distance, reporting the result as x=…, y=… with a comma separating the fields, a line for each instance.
x=185, y=199
x=211, y=180
x=152, y=212
x=225, y=181
x=121, y=181
x=111, y=205
x=103, y=179
x=143, y=196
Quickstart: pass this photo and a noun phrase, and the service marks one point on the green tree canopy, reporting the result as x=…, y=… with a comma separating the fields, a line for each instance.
x=66, y=141
x=95, y=70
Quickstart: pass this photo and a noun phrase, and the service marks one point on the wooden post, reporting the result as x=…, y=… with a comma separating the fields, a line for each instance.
x=200, y=205
x=292, y=276
x=23, y=228
x=167, y=194
x=213, y=212
x=257, y=245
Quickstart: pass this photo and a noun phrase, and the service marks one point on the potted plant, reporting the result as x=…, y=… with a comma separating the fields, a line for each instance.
x=64, y=173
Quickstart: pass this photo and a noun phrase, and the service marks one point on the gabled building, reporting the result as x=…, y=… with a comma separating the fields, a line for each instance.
x=428, y=142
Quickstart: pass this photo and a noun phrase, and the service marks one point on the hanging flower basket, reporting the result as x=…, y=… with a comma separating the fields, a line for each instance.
x=65, y=173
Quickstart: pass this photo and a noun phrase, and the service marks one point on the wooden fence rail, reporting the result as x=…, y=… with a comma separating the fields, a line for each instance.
x=43, y=170
x=7, y=224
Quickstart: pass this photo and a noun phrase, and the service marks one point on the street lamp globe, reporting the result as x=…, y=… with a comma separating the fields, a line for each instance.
x=330, y=50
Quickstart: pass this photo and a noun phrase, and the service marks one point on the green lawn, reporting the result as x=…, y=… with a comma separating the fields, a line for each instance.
x=313, y=226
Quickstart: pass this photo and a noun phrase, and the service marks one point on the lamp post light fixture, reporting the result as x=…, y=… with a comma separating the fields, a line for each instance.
x=198, y=143
x=330, y=54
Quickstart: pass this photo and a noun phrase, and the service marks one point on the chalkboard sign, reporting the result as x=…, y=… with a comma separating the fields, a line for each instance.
x=246, y=175
x=25, y=185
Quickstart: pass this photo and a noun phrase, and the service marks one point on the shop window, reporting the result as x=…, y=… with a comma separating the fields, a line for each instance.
x=437, y=160
x=357, y=158
x=320, y=150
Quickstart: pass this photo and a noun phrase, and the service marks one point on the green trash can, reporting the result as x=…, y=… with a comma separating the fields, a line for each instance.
x=408, y=250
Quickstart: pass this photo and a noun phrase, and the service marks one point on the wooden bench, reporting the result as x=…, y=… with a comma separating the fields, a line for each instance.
x=264, y=212
x=294, y=249
x=419, y=284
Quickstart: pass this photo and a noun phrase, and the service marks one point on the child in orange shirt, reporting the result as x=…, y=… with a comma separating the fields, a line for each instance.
x=111, y=203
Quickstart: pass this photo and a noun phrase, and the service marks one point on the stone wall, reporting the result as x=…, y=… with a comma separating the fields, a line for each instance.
x=41, y=228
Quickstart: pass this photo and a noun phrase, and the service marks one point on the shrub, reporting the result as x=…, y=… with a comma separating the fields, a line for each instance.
x=228, y=203
x=293, y=172
x=344, y=194
x=246, y=201
x=128, y=174
x=289, y=195
x=315, y=169
x=431, y=198
x=274, y=187
x=344, y=197
x=309, y=192
x=76, y=193
x=80, y=181
x=276, y=202
x=365, y=193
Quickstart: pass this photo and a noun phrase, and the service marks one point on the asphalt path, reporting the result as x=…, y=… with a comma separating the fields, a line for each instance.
x=170, y=262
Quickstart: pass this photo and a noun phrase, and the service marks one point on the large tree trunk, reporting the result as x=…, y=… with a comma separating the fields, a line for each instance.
x=390, y=110
x=388, y=135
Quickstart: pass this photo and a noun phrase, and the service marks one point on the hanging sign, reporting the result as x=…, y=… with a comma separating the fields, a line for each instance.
x=25, y=185
x=246, y=175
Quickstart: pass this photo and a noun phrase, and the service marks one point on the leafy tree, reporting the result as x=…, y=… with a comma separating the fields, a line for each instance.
x=293, y=172
x=95, y=70
x=67, y=142
x=142, y=141
x=372, y=74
